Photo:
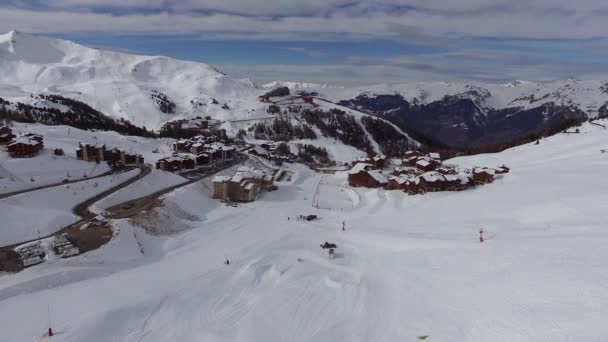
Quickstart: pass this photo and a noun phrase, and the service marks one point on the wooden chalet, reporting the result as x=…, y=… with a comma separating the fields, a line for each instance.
x=202, y=159
x=379, y=161
x=426, y=164
x=432, y=181
x=457, y=182
x=502, y=170
x=25, y=146
x=409, y=154
x=6, y=135
x=397, y=183
x=483, y=175
x=368, y=179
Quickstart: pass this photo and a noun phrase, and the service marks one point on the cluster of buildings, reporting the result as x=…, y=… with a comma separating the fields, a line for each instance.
x=244, y=186
x=27, y=145
x=418, y=174
x=197, y=151
x=31, y=254
x=99, y=152
x=64, y=247
x=192, y=127
x=268, y=150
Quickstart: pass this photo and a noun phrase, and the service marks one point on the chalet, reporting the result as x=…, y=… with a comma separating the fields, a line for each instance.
x=181, y=145
x=397, y=183
x=89, y=152
x=131, y=159
x=25, y=146
x=411, y=161
x=307, y=99
x=188, y=163
x=435, y=155
x=412, y=186
x=425, y=164
x=447, y=170
x=457, y=182
x=6, y=135
x=171, y=164
x=502, y=170
x=432, y=181
x=409, y=154
x=197, y=148
x=354, y=173
x=379, y=161
x=364, y=160
x=483, y=175
x=202, y=159
x=362, y=175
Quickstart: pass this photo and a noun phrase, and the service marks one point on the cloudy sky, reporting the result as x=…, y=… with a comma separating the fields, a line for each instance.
x=341, y=41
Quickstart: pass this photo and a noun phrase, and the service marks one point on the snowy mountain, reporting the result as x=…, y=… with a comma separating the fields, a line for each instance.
x=151, y=90
x=146, y=90
x=468, y=114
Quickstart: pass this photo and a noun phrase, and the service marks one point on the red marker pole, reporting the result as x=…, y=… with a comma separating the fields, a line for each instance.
x=481, y=236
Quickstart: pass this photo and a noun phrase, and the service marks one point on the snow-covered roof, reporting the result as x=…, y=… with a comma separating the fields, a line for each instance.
x=434, y=155
x=432, y=176
x=220, y=179
x=398, y=179
x=358, y=168
x=378, y=176
x=484, y=169
x=25, y=141
x=423, y=163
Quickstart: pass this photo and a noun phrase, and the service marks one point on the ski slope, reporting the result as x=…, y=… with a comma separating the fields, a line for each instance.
x=406, y=266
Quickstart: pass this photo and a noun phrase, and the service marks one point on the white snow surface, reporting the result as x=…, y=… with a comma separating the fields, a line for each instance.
x=115, y=83
x=156, y=181
x=48, y=210
x=18, y=174
x=406, y=266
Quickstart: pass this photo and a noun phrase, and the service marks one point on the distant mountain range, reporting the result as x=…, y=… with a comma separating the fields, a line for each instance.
x=151, y=90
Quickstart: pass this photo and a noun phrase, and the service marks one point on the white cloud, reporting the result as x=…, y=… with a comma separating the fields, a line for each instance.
x=430, y=19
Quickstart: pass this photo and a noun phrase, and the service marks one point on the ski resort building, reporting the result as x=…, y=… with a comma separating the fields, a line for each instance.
x=244, y=186
x=187, y=128
x=176, y=163
x=363, y=174
x=6, y=135
x=483, y=175
x=25, y=146
x=98, y=153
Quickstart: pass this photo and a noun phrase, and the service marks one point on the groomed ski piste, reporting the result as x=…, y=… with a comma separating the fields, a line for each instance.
x=405, y=267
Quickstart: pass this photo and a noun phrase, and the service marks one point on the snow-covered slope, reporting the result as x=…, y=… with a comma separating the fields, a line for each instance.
x=406, y=266
x=117, y=84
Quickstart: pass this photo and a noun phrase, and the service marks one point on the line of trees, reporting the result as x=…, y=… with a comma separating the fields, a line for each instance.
x=337, y=124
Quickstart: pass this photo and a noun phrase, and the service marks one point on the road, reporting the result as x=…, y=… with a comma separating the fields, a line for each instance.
x=82, y=211
x=136, y=206
x=133, y=207
x=15, y=193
